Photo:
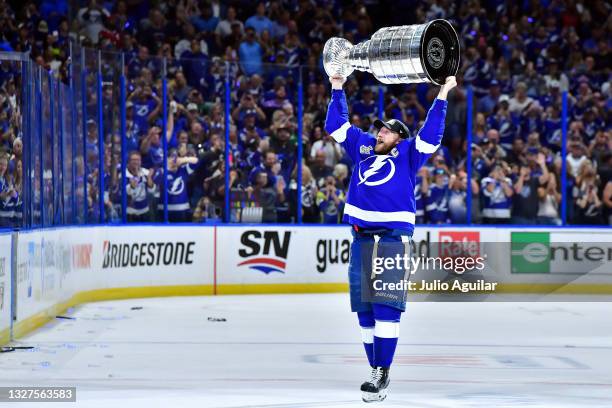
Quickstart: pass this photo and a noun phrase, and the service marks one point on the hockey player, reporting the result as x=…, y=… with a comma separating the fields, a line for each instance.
x=381, y=203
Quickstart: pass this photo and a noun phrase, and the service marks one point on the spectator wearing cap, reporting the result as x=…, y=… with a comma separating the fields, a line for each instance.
x=250, y=129
x=436, y=199
x=285, y=147
x=497, y=195
x=247, y=105
x=251, y=53
x=502, y=120
x=487, y=103
x=576, y=158
x=592, y=122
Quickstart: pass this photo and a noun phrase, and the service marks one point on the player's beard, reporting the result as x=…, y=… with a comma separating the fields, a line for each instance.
x=383, y=148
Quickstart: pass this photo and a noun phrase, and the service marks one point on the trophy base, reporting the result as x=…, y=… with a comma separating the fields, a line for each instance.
x=439, y=51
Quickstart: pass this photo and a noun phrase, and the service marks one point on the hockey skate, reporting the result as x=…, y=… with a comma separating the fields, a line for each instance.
x=375, y=388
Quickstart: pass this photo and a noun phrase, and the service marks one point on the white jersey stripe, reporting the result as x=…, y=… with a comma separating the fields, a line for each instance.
x=379, y=216
x=339, y=135
x=424, y=147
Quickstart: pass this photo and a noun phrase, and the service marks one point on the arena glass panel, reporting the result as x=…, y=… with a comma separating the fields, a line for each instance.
x=204, y=110
x=48, y=204
x=12, y=108
x=145, y=144
x=263, y=144
x=111, y=70
x=93, y=153
x=77, y=76
x=35, y=152
x=67, y=141
x=57, y=156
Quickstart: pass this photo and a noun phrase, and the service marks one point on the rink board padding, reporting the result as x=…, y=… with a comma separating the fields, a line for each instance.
x=55, y=269
x=5, y=286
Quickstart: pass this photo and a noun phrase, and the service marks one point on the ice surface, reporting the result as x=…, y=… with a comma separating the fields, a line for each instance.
x=286, y=351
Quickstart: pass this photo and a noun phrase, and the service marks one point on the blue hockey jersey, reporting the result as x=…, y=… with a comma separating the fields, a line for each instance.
x=381, y=191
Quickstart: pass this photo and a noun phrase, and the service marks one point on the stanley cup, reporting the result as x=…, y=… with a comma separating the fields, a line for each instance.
x=398, y=55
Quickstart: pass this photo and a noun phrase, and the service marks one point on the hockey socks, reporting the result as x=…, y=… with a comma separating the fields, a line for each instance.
x=386, y=333
x=379, y=333
x=366, y=323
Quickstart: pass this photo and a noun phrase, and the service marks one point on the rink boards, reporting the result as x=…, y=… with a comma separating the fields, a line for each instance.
x=54, y=269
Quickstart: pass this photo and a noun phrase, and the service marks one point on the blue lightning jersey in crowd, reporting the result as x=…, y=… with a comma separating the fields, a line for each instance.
x=381, y=192
x=178, y=199
x=496, y=203
x=437, y=204
x=138, y=201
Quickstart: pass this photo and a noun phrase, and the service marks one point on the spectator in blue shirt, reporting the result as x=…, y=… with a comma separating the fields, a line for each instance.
x=487, y=103
x=251, y=53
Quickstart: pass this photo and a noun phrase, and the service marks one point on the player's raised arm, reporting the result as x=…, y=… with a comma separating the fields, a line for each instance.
x=337, y=120
x=430, y=135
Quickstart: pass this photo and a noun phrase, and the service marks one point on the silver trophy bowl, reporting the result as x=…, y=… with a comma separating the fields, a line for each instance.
x=398, y=55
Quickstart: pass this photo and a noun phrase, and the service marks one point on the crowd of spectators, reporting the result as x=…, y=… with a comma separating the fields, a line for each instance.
x=518, y=59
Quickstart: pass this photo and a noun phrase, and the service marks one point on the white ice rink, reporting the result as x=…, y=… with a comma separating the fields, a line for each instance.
x=285, y=351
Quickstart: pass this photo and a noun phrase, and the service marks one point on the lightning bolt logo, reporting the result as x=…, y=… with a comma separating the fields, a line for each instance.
x=375, y=168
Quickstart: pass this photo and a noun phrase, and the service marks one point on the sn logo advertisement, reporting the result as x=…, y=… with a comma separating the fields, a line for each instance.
x=268, y=251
